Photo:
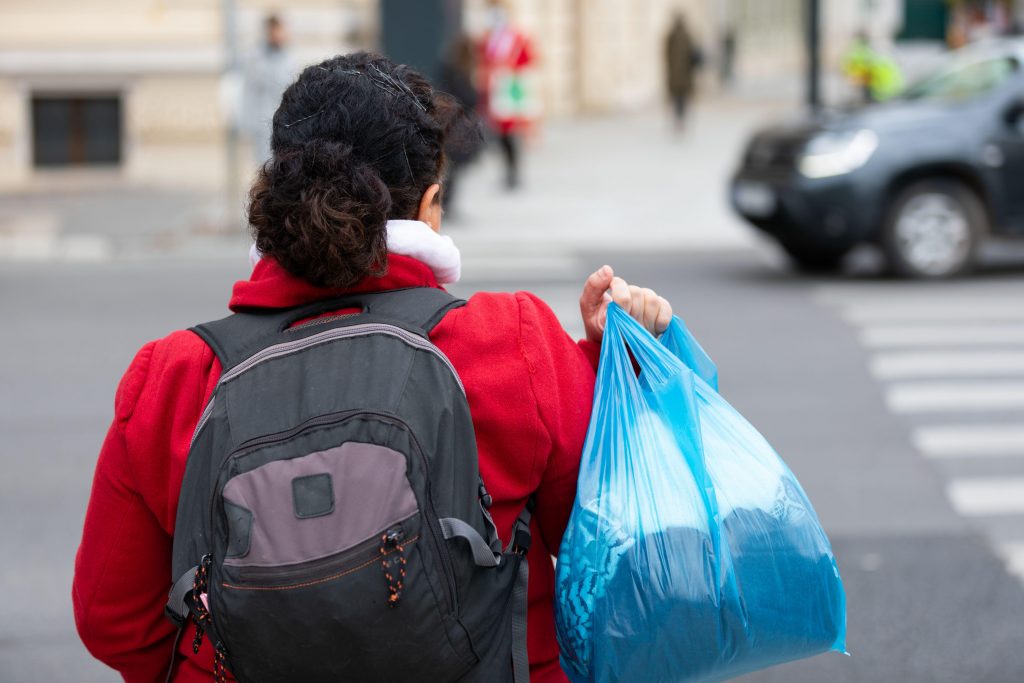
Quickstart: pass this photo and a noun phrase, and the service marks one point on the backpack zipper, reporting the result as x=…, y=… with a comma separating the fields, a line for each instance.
x=336, y=418
x=360, y=330
x=364, y=554
x=287, y=348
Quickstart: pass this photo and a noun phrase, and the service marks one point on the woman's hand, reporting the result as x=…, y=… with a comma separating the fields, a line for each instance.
x=644, y=305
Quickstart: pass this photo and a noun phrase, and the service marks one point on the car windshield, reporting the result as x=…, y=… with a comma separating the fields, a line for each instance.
x=963, y=79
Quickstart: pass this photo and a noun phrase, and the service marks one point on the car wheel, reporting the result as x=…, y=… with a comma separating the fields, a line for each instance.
x=933, y=229
x=813, y=259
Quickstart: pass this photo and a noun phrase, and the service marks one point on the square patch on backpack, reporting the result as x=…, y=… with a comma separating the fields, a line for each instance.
x=313, y=495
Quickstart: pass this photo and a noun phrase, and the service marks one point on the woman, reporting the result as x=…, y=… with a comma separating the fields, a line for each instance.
x=349, y=203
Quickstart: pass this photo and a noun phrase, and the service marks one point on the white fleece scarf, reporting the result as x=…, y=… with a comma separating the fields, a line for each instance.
x=417, y=240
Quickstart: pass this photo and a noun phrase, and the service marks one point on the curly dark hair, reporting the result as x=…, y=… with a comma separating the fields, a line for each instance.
x=356, y=141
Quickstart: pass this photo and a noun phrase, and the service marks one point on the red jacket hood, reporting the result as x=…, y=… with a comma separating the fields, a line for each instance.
x=271, y=286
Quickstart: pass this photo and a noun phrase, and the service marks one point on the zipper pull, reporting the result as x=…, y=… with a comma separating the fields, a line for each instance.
x=394, y=567
x=220, y=656
x=200, y=611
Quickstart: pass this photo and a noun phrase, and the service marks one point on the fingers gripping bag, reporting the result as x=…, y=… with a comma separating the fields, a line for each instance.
x=692, y=553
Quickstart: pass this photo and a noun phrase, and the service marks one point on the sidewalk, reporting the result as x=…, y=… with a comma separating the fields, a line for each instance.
x=621, y=183
x=615, y=183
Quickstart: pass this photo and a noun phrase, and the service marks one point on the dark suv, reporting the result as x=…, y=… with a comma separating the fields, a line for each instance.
x=925, y=176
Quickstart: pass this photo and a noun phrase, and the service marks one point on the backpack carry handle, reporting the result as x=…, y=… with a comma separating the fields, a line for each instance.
x=238, y=336
x=420, y=308
x=288, y=319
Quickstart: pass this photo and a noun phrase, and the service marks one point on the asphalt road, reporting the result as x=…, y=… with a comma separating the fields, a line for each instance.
x=930, y=598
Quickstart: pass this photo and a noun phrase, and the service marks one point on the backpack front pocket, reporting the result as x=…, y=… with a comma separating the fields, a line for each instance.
x=330, y=558
x=387, y=550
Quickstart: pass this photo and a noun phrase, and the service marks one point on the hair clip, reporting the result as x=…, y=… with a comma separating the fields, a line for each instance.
x=401, y=85
x=304, y=118
x=389, y=84
x=305, y=90
x=384, y=81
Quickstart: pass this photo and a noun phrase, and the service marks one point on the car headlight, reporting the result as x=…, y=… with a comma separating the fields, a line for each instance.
x=832, y=154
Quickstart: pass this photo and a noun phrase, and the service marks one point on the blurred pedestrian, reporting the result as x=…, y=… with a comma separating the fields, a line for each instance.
x=876, y=76
x=727, y=58
x=682, y=59
x=510, y=101
x=458, y=78
x=267, y=72
x=348, y=208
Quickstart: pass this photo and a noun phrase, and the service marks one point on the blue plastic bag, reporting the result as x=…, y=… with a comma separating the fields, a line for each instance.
x=692, y=553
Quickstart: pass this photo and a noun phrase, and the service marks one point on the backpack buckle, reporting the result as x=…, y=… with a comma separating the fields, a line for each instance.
x=521, y=537
x=177, y=609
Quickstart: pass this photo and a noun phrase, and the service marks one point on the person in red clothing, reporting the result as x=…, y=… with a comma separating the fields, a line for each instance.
x=348, y=203
x=506, y=60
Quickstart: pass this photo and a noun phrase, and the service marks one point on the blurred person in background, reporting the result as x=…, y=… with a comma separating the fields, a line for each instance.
x=348, y=203
x=458, y=78
x=876, y=76
x=506, y=58
x=682, y=59
x=727, y=56
x=976, y=20
x=267, y=72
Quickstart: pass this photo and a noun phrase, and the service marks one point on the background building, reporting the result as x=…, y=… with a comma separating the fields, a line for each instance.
x=134, y=92
x=118, y=92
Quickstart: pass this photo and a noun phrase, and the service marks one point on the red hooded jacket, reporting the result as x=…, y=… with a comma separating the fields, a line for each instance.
x=529, y=388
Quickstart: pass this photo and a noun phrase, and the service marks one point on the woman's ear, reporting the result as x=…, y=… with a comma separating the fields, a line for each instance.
x=430, y=207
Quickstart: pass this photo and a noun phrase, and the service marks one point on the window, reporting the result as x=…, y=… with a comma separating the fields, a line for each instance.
x=965, y=80
x=924, y=20
x=76, y=131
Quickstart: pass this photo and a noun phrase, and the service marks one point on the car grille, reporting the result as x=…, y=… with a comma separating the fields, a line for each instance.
x=773, y=153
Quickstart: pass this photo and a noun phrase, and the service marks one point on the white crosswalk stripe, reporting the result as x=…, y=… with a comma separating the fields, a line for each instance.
x=1013, y=553
x=928, y=336
x=899, y=365
x=932, y=397
x=950, y=359
x=971, y=441
x=929, y=311
x=987, y=496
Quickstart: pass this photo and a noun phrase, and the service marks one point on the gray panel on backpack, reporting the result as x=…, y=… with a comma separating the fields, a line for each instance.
x=313, y=497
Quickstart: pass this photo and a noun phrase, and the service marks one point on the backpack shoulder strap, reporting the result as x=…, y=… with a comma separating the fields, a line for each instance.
x=238, y=336
x=231, y=337
x=420, y=308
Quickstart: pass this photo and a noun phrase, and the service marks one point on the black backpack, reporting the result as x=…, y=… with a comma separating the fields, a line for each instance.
x=332, y=524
